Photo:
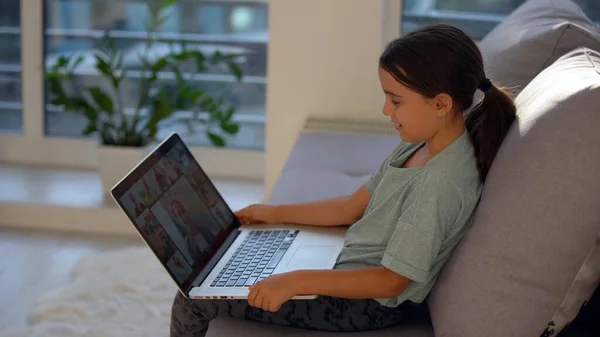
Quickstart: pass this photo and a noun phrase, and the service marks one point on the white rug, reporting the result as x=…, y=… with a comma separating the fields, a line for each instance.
x=119, y=293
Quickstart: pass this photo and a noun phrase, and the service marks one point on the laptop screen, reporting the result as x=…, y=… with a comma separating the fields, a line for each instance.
x=176, y=209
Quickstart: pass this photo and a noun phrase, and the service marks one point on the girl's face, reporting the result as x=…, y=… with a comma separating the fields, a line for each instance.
x=416, y=117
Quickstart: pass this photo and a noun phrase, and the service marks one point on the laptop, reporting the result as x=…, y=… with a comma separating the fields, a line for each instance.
x=194, y=234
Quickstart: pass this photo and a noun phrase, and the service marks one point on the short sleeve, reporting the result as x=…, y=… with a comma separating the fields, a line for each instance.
x=375, y=178
x=422, y=228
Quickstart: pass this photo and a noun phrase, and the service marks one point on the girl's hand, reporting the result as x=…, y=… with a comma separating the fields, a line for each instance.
x=256, y=214
x=270, y=293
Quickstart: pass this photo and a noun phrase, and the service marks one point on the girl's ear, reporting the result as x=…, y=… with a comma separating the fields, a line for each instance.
x=442, y=104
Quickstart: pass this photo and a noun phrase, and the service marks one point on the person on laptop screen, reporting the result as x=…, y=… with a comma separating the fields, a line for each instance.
x=408, y=217
x=198, y=238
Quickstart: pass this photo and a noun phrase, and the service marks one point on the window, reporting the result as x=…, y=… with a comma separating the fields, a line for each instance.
x=75, y=26
x=11, y=119
x=475, y=17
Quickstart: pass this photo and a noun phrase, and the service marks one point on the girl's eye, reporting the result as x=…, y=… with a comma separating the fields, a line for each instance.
x=395, y=102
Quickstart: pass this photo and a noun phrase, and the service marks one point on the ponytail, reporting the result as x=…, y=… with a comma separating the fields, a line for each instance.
x=488, y=123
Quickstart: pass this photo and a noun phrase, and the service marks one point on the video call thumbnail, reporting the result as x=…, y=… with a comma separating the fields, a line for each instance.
x=188, y=221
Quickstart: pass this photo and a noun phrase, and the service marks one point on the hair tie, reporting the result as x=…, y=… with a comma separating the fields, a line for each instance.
x=485, y=85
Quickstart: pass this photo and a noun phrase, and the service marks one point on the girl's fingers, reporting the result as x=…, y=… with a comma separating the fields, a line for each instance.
x=260, y=301
x=252, y=297
x=268, y=306
x=273, y=307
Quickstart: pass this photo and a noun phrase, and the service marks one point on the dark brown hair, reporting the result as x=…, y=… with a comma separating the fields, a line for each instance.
x=443, y=59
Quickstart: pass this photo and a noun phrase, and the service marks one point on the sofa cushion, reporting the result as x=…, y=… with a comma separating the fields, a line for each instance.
x=538, y=218
x=305, y=184
x=230, y=327
x=324, y=165
x=534, y=36
x=353, y=154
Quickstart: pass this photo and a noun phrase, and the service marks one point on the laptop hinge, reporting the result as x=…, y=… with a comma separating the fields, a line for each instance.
x=215, y=259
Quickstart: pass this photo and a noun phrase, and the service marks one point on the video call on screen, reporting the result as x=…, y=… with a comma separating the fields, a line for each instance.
x=178, y=211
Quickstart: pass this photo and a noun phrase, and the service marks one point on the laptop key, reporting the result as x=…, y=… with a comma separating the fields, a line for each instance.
x=251, y=281
x=241, y=282
x=230, y=283
x=276, y=258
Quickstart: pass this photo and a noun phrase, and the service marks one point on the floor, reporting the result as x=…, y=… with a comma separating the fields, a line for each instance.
x=33, y=262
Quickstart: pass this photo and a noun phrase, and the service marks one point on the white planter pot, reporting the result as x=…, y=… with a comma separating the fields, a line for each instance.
x=115, y=162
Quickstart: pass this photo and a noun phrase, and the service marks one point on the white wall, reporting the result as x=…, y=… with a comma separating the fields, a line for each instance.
x=322, y=61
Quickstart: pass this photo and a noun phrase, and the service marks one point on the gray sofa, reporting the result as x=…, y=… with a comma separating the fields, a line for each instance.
x=532, y=258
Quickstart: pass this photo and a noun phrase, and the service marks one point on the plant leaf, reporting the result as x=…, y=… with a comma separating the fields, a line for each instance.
x=208, y=104
x=172, y=62
x=55, y=87
x=62, y=61
x=91, y=128
x=76, y=64
x=228, y=114
x=58, y=100
x=231, y=129
x=196, y=95
x=165, y=4
x=216, y=139
x=159, y=64
x=200, y=61
x=55, y=75
x=80, y=104
x=161, y=20
x=101, y=99
x=107, y=138
x=161, y=109
x=216, y=57
x=119, y=60
x=187, y=54
x=236, y=70
x=123, y=126
x=183, y=97
x=103, y=66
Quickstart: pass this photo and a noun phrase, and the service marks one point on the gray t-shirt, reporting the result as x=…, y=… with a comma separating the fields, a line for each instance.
x=416, y=216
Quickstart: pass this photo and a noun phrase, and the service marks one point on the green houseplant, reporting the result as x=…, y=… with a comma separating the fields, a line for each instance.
x=157, y=106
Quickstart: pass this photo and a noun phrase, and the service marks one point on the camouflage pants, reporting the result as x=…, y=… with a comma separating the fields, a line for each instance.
x=191, y=317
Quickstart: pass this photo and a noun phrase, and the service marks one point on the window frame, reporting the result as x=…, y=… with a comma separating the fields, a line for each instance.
x=33, y=147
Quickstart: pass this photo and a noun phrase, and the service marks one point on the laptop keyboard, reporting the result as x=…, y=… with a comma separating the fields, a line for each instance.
x=256, y=258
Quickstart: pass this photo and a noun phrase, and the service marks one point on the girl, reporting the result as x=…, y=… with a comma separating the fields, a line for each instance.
x=407, y=218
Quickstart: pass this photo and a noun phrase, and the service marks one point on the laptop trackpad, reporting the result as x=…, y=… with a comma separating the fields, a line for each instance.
x=311, y=257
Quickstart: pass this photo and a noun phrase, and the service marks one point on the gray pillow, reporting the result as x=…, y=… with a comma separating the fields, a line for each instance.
x=534, y=36
x=538, y=216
